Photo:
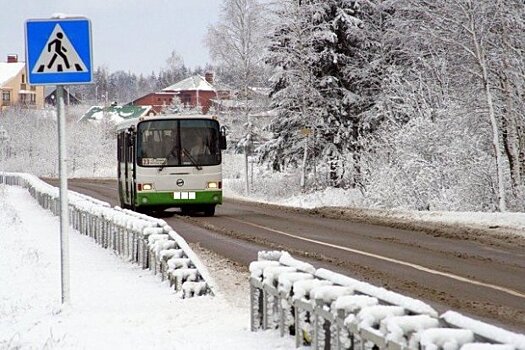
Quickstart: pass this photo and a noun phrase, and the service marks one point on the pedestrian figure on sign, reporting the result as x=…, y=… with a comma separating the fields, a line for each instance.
x=59, y=51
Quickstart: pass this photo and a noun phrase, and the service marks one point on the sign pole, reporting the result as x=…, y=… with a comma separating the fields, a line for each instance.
x=64, y=206
x=58, y=52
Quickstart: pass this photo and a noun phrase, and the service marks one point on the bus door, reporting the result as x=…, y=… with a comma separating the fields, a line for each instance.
x=129, y=168
x=121, y=151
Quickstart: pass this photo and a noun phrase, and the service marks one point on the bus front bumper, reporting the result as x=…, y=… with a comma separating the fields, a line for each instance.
x=179, y=198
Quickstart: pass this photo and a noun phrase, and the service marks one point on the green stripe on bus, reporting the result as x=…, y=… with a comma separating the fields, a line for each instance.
x=167, y=198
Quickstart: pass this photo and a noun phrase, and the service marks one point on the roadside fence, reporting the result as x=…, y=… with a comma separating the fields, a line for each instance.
x=327, y=310
x=141, y=239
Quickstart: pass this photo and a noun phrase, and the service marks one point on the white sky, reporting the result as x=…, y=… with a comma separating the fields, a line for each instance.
x=130, y=35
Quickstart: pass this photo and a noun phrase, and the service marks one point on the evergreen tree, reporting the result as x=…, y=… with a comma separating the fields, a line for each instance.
x=175, y=107
x=317, y=50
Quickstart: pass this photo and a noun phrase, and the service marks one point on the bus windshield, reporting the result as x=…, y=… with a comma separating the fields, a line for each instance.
x=183, y=142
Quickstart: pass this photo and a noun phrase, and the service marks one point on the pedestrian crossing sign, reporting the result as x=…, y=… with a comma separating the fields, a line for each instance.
x=58, y=51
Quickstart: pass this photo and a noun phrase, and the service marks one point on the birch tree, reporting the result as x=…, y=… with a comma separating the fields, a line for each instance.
x=236, y=45
x=507, y=63
x=464, y=27
x=237, y=42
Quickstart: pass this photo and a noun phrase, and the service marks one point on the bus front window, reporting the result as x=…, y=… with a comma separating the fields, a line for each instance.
x=178, y=143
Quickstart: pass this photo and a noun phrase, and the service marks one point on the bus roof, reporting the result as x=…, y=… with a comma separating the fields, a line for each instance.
x=125, y=124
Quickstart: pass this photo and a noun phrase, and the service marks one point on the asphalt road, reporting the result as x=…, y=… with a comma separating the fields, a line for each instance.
x=468, y=270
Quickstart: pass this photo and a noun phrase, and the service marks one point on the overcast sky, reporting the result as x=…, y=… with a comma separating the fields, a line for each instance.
x=130, y=35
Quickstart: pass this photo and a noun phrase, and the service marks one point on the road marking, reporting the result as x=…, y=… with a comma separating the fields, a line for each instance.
x=385, y=258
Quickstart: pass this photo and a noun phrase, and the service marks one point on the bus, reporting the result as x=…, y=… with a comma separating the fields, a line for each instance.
x=170, y=161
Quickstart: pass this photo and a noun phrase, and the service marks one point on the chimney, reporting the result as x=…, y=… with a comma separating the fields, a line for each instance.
x=12, y=58
x=209, y=77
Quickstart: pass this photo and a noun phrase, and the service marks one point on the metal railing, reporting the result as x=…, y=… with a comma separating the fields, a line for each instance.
x=327, y=310
x=137, y=238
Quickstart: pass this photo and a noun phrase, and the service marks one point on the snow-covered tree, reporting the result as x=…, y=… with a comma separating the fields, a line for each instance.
x=507, y=63
x=174, y=71
x=473, y=37
x=451, y=63
x=438, y=163
x=317, y=50
x=236, y=43
x=177, y=107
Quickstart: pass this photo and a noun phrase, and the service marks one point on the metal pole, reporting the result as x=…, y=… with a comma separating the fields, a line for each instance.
x=251, y=171
x=305, y=157
x=64, y=224
x=247, y=189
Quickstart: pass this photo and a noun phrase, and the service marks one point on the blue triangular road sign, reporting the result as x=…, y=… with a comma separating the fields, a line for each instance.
x=59, y=51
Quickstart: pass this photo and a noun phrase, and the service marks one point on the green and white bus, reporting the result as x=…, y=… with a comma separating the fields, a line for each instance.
x=170, y=161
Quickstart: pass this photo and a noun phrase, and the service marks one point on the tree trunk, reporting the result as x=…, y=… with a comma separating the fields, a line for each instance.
x=480, y=57
x=511, y=140
x=495, y=133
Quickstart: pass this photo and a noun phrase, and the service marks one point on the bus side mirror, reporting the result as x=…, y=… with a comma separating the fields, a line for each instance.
x=130, y=136
x=222, y=138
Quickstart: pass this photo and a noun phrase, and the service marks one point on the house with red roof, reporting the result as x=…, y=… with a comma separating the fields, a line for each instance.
x=192, y=91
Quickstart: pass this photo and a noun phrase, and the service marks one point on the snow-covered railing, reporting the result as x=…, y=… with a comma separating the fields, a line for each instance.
x=328, y=310
x=138, y=238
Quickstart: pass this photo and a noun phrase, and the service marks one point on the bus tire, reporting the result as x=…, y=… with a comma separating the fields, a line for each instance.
x=209, y=210
x=186, y=211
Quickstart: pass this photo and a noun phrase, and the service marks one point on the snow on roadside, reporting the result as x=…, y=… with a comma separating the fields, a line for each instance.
x=509, y=222
x=114, y=304
x=514, y=221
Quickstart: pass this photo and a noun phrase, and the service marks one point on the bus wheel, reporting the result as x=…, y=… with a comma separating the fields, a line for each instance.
x=186, y=211
x=209, y=210
x=143, y=210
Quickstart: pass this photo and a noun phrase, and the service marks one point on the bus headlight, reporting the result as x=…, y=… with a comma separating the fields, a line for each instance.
x=212, y=184
x=145, y=187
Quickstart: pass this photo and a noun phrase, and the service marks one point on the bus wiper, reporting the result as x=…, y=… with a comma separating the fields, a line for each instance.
x=167, y=157
x=163, y=165
x=187, y=154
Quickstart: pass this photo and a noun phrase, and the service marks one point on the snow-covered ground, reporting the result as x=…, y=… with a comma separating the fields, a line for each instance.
x=114, y=304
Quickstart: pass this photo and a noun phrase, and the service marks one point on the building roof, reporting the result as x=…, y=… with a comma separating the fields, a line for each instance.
x=115, y=113
x=9, y=71
x=69, y=98
x=192, y=83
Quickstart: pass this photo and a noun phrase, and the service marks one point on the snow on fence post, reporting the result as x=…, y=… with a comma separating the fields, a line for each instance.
x=258, y=300
x=285, y=290
x=325, y=317
x=484, y=332
x=332, y=311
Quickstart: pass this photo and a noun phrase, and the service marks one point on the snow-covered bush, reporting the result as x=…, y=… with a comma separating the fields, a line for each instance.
x=33, y=144
x=441, y=164
x=264, y=184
